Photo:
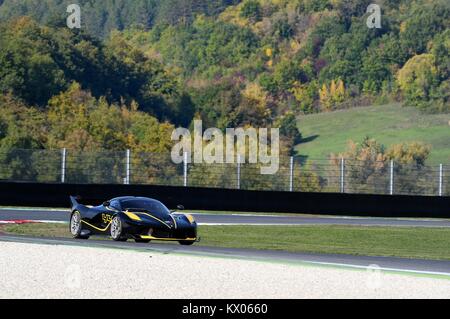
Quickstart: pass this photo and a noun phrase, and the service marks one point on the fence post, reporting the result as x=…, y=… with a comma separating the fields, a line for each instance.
x=128, y=168
x=291, y=179
x=63, y=165
x=342, y=175
x=239, y=171
x=391, y=183
x=441, y=180
x=185, y=169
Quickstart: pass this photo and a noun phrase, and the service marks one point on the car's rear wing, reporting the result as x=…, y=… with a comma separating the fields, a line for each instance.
x=74, y=200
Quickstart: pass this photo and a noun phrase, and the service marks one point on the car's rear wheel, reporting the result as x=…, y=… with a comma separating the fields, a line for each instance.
x=76, y=226
x=186, y=242
x=117, y=230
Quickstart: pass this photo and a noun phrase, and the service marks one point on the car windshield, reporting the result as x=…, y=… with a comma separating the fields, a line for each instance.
x=152, y=206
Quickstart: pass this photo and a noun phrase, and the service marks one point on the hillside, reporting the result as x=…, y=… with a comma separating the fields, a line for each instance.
x=231, y=63
x=101, y=17
x=388, y=124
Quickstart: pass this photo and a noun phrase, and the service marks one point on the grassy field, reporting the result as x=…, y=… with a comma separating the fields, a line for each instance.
x=425, y=243
x=389, y=124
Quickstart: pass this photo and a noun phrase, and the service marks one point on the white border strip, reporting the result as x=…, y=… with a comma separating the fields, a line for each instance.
x=381, y=268
x=28, y=221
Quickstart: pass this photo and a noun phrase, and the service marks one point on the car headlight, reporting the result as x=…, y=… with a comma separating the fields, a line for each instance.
x=133, y=216
x=190, y=218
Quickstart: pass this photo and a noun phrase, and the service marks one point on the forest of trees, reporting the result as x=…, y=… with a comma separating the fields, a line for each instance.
x=102, y=17
x=151, y=65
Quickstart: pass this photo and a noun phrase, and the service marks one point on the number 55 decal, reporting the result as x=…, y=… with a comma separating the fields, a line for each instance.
x=106, y=218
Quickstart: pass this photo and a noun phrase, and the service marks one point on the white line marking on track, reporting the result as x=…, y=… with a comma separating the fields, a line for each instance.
x=26, y=209
x=381, y=268
x=307, y=224
x=10, y=222
x=249, y=224
x=50, y=222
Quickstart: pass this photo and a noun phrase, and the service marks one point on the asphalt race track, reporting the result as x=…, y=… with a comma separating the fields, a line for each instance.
x=432, y=267
x=238, y=219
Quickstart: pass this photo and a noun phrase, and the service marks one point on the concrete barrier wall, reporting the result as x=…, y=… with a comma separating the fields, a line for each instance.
x=57, y=195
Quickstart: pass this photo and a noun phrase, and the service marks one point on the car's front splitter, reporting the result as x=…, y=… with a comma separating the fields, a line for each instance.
x=167, y=239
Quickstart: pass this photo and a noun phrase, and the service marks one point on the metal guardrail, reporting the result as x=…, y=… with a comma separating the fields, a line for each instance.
x=295, y=174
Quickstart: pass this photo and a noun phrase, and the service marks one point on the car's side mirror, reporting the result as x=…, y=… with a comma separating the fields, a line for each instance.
x=180, y=207
x=106, y=204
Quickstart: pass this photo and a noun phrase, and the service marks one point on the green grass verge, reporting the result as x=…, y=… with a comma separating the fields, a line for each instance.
x=388, y=124
x=425, y=243
x=37, y=230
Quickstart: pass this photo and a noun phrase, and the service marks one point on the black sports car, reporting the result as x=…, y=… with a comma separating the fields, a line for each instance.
x=139, y=218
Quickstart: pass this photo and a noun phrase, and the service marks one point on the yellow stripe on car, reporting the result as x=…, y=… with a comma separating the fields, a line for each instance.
x=99, y=229
x=133, y=216
x=156, y=219
x=190, y=218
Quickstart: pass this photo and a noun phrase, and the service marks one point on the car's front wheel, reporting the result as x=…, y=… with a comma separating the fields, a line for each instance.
x=76, y=227
x=117, y=230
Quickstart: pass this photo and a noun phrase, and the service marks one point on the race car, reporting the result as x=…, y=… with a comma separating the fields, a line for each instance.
x=139, y=218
